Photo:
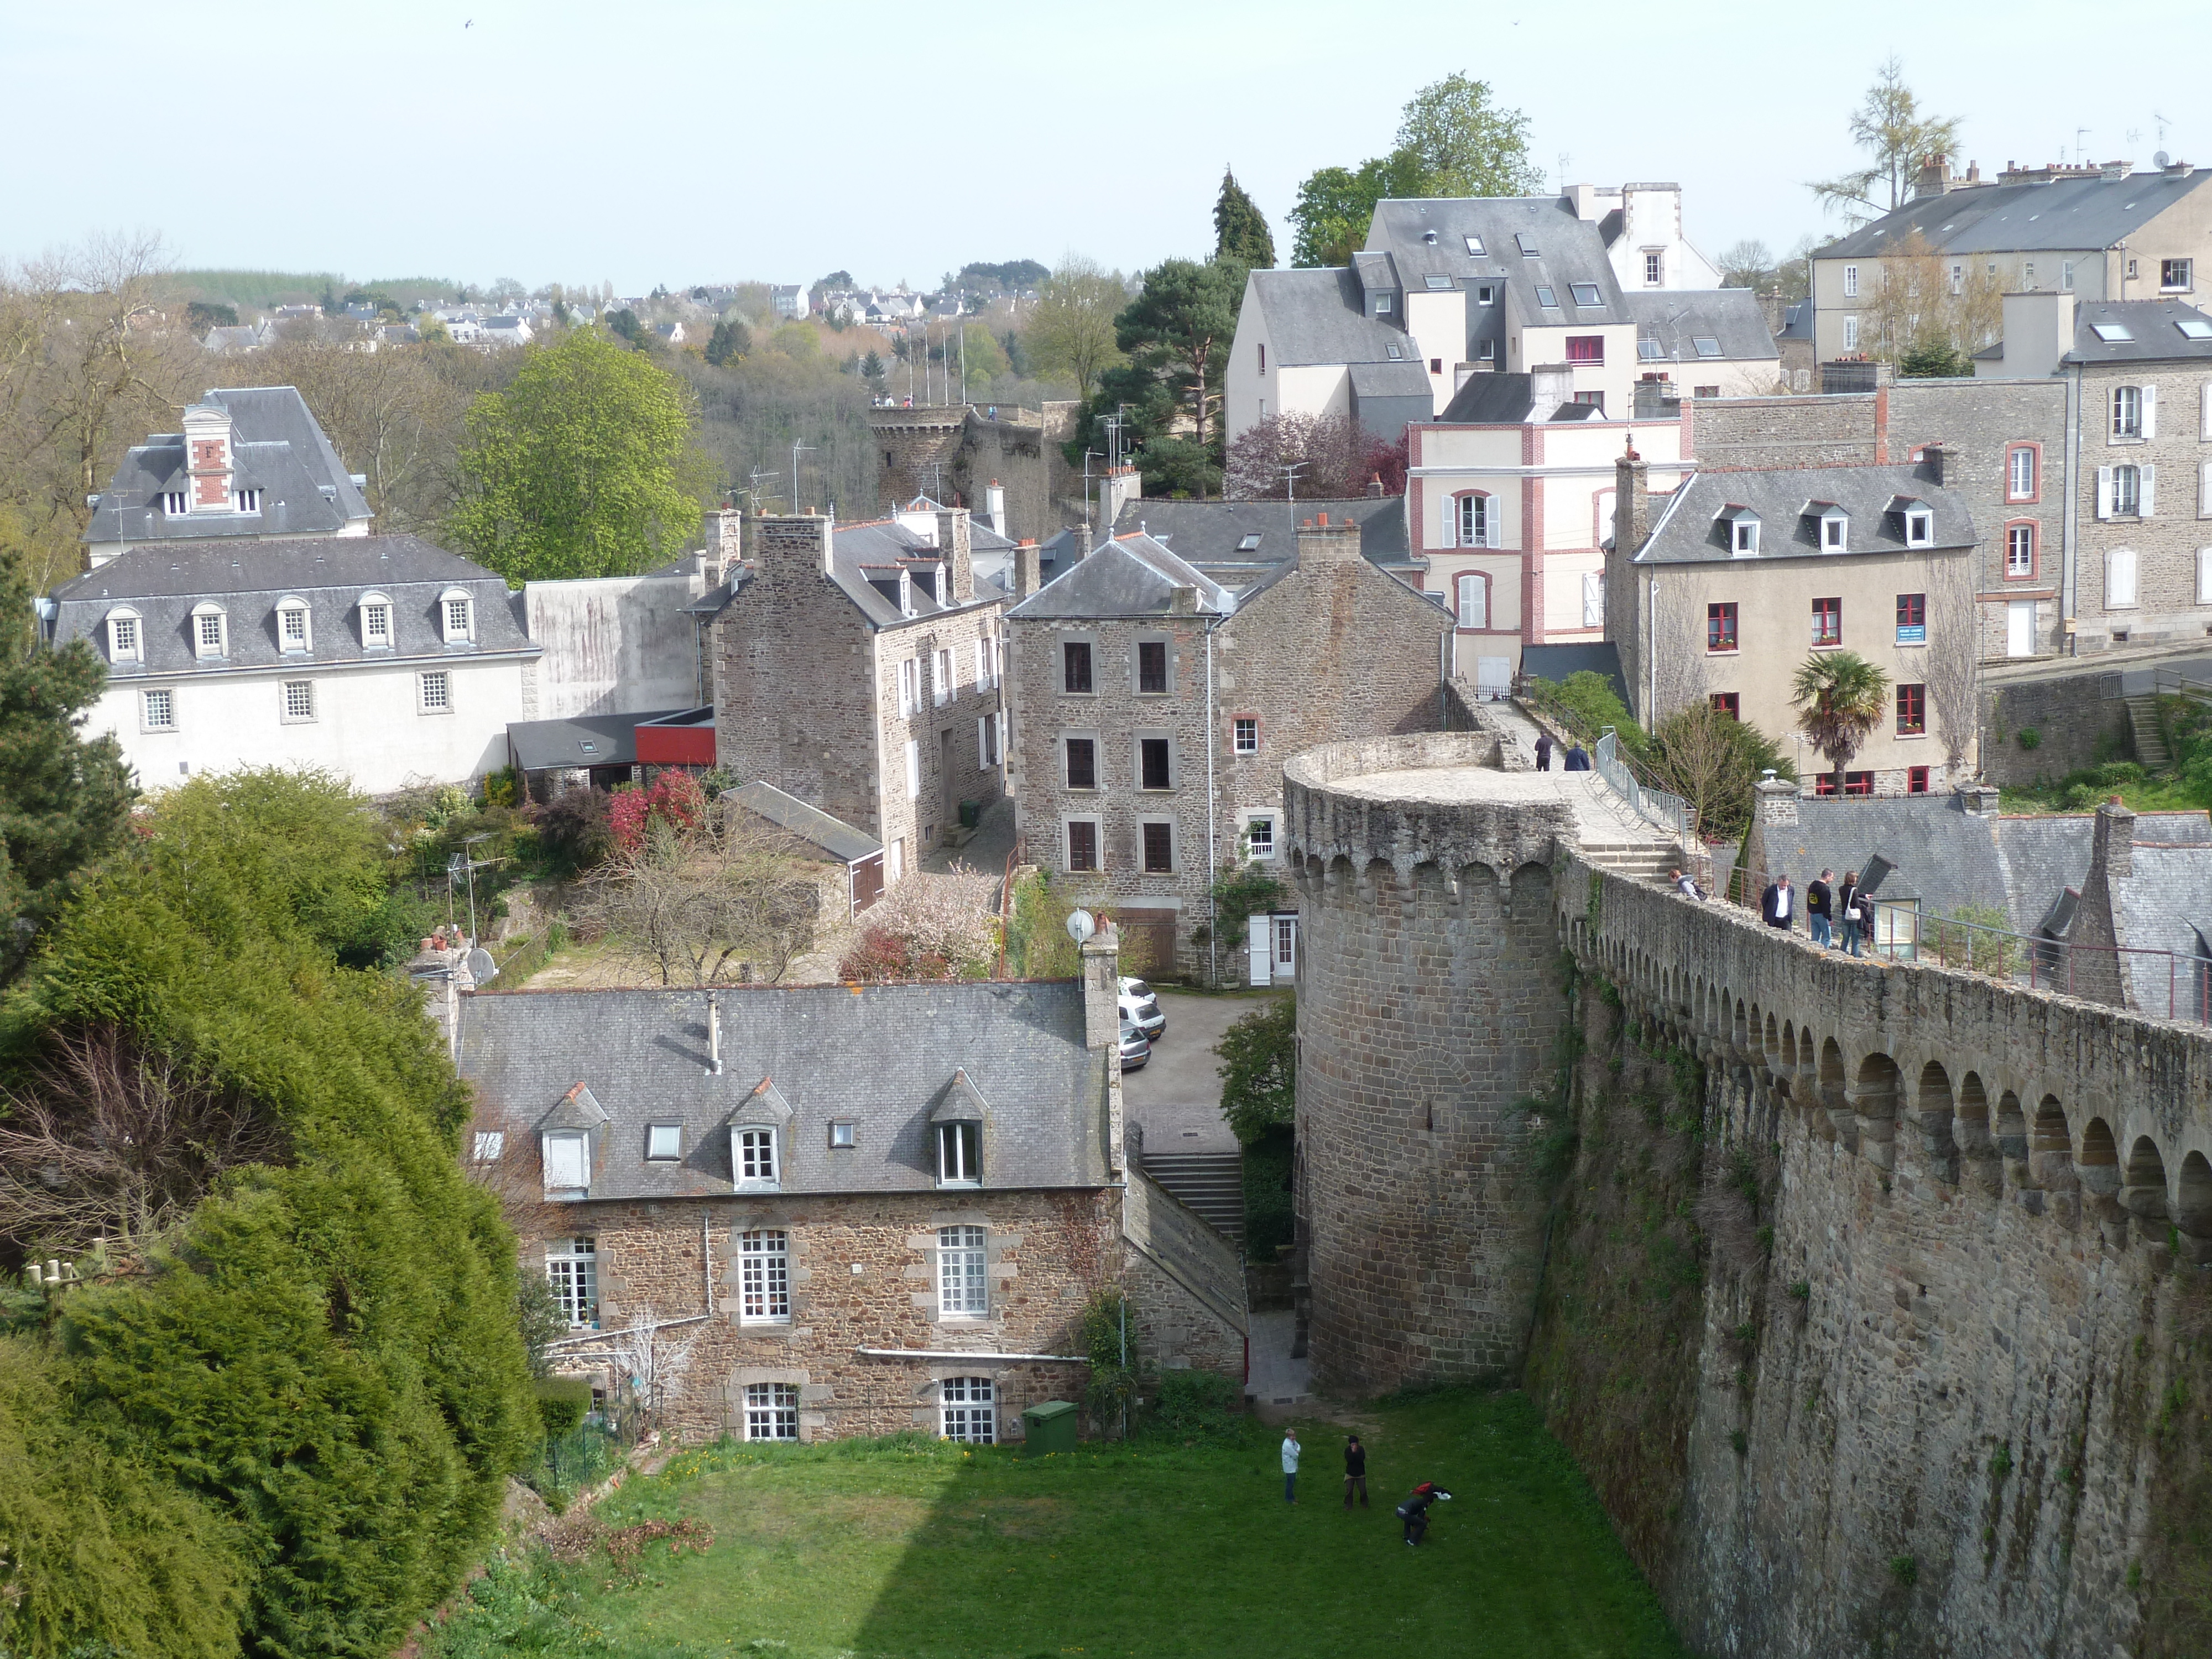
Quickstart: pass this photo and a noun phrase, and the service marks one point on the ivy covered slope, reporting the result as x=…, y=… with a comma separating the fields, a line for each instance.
x=323, y=1352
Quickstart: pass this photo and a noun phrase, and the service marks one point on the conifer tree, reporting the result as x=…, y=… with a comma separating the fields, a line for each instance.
x=1241, y=232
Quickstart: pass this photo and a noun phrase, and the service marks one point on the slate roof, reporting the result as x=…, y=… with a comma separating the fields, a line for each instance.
x=810, y=823
x=879, y=547
x=1677, y=319
x=1209, y=534
x=2166, y=904
x=1569, y=250
x=2153, y=326
x=163, y=581
x=1409, y=379
x=883, y=1057
x=1319, y=317
x=2065, y=212
x=585, y=740
x=1507, y=398
x=1128, y=576
x=276, y=447
x=1688, y=529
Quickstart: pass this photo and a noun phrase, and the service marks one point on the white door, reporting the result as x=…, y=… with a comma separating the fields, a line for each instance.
x=2020, y=627
x=1493, y=676
x=1259, y=968
x=1286, y=949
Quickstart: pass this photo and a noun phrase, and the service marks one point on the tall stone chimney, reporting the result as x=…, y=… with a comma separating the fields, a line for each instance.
x=208, y=460
x=1550, y=384
x=1935, y=177
x=785, y=538
x=1102, y=990
x=954, y=540
x=1027, y=569
x=1939, y=464
x=1321, y=543
x=725, y=541
x=1631, y=502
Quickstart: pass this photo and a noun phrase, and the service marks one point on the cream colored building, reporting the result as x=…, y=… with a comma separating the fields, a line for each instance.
x=1724, y=588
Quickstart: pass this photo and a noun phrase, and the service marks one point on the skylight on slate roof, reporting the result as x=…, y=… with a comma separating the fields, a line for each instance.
x=2197, y=328
x=1585, y=293
x=1437, y=281
x=1651, y=351
x=1546, y=298
x=1527, y=244
x=1475, y=246
x=2109, y=332
x=1248, y=544
x=1707, y=346
x=1396, y=354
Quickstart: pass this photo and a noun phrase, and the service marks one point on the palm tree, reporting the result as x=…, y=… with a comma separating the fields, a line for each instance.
x=1840, y=697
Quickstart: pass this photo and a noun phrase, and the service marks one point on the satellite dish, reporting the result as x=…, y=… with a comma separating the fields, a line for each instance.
x=482, y=968
x=2162, y=159
x=1081, y=926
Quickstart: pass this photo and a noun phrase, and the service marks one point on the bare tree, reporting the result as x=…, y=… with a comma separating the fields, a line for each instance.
x=107, y=1139
x=1918, y=300
x=708, y=905
x=1954, y=653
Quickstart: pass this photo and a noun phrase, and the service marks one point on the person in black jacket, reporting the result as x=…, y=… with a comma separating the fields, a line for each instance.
x=1819, y=912
x=1579, y=759
x=1778, y=903
x=1355, y=1471
x=1414, y=1511
x=1855, y=909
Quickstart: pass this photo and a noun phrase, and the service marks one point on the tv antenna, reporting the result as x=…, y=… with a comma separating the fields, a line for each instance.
x=1291, y=479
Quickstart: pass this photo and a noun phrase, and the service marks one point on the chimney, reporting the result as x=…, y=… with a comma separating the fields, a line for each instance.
x=1550, y=384
x=1028, y=570
x=1939, y=464
x=1182, y=601
x=2113, y=848
x=1978, y=799
x=994, y=507
x=1374, y=487
x=725, y=541
x=1321, y=543
x=1935, y=177
x=2038, y=332
x=1631, y=502
x=1777, y=800
x=208, y=457
x=954, y=538
x=1102, y=989
x=714, y=1037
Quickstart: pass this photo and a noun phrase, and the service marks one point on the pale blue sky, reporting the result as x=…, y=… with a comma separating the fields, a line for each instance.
x=658, y=140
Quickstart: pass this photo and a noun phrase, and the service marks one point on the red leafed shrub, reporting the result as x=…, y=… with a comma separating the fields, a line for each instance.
x=881, y=956
x=674, y=799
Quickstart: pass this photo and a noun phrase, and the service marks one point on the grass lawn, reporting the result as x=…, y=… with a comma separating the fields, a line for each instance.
x=922, y=1550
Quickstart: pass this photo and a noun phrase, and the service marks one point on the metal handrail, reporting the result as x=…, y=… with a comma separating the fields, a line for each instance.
x=1669, y=812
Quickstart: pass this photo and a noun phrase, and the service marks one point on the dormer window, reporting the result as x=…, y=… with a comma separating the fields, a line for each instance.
x=211, y=631
x=664, y=1142
x=1382, y=305
x=567, y=1161
x=292, y=625
x=126, y=637
x=1746, y=532
x=375, y=620
x=754, y=1154
x=1830, y=526
x=1739, y=525
x=1832, y=533
x=456, y=615
x=757, y=1131
x=959, y=1154
x=245, y=500
x=175, y=503
x=1919, y=525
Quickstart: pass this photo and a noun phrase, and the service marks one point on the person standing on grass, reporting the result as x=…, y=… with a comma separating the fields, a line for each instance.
x=1355, y=1471
x=1820, y=899
x=1290, y=1466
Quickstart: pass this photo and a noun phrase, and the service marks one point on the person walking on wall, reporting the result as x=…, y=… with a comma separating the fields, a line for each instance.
x=1854, y=906
x=1290, y=1466
x=1579, y=759
x=1543, y=751
x=1778, y=903
x=1820, y=911
x=1355, y=1471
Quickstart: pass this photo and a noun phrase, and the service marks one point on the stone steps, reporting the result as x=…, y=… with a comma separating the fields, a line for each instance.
x=2150, y=742
x=1212, y=1184
x=1638, y=860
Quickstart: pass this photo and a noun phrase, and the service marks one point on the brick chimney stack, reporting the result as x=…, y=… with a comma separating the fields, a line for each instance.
x=208, y=457
x=1631, y=502
x=1321, y=543
x=1027, y=569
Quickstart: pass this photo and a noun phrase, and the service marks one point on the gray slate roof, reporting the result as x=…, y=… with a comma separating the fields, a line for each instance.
x=276, y=447
x=1319, y=317
x=585, y=740
x=2166, y=904
x=877, y=547
x=1569, y=250
x=1509, y=399
x=1677, y=319
x=1689, y=530
x=163, y=581
x=2152, y=329
x=883, y=1057
x=2085, y=213
x=810, y=823
x=1127, y=577
x=1208, y=534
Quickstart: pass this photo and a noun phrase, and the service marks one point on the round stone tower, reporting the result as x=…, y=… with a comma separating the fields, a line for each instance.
x=1429, y=1004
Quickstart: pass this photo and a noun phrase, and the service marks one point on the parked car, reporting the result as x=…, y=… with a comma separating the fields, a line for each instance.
x=1141, y=1009
x=1136, y=1048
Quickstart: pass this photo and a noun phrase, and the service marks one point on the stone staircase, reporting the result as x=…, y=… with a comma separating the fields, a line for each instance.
x=1639, y=860
x=1210, y=1183
x=2150, y=741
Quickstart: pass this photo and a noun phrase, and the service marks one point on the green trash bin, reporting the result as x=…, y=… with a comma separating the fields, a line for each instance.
x=1050, y=1425
x=971, y=814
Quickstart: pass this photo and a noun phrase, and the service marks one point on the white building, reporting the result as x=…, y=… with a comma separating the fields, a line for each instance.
x=382, y=658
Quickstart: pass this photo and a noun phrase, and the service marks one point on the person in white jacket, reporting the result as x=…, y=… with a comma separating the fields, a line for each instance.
x=1290, y=1466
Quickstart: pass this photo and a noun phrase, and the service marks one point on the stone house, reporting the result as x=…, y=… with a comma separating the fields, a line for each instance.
x=1155, y=706
x=1723, y=592
x=806, y=1212
x=858, y=667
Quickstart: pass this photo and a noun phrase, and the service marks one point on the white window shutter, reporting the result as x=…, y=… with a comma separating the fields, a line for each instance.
x=1493, y=522
x=1451, y=521
x=983, y=745
x=2150, y=412
x=2120, y=577
x=2205, y=411
x=1260, y=951
x=2147, y=502
x=2204, y=576
x=1593, y=598
x=2104, y=492
x=2204, y=491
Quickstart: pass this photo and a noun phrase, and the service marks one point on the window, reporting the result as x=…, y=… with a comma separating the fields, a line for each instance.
x=970, y=1415
x=1075, y=667
x=1850, y=334
x=2173, y=275
x=1487, y=350
x=159, y=711
x=437, y=693
x=1082, y=844
x=2204, y=576
x=209, y=631
x=755, y=1157
x=942, y=679
x=1473, y=600
x=909, y=681
x=1244, y=734
x=1526, y=242
x=959, y=1147
x=1082, y=762
x=1151, y=667
x=2109, y=333
x=2126, y=411
x=763, y=1276
x=2127, y=491
x=1720, y=628
x=489, y=1144
x=1159, y=847
x=123, y=638
x=375, y=623
x=1834, y=529
x=1155, y=768
x=1743, y=536
x=1546, y=298
x=1474, y=247
x=175, y=503
x=1263, y=357
x=1586, y=348
x=1912, y=619
x=1911, y=710
x=2020, y=551
x=1851, y=281
x=844, y=1135
x=1475, y=525
x=1919, y=527
x=1728, y=702
x=568, y=1154
x=1704, y=391
x=2027, y=278
x=1957, y=277
x=986, y=742
x=664, y=1142
x=1651, y=351
x=1585, y=294
x=1397, y=354
x=986, y=662
x=2119, y=578
x=1436, y=365
x=2066, y=274
x=299, y=699
x=245, y=500
x=1654, y=269
x=1382, y=305
x=292, y=628
x=2019, y=473
x=895, y=859
x=1915, y=780
x=1260, y=836
x=1827, y=622
x=913, y=768
x=963, y=1292
x=1591, y=400
x=771, y=1411
x=1485, y=296
x=572, y=1268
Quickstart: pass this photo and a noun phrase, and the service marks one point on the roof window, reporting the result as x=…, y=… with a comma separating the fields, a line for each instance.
x=1707, y=346
x=1740, y=528
x=1651, y=351
x=664, y=1142
x=1546, y=298
x=2109, y=332
x=1919, y=527
x=1395, y=354
x=1436, y=282
x=1248, y=543
x=1527, y=244
x=1475, y=246
x=1585, y=294
x=2197, y=328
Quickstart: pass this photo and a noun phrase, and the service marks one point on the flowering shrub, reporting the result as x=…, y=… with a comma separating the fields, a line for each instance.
x=674, y=799
x=929, y=927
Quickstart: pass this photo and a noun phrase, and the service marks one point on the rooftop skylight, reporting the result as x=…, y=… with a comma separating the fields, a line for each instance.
x=2113, y=331
x=1437, y=281
x=1585, y=293
x=2197, y=328
x=1527, y=244
x=1707, y=346
x=1651, y=351
x=1475, y=246
x=1547, y=299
